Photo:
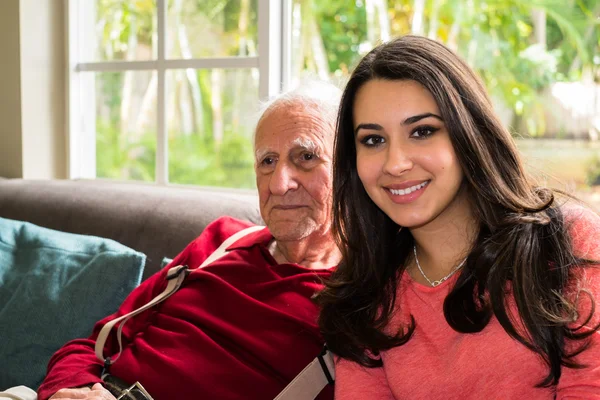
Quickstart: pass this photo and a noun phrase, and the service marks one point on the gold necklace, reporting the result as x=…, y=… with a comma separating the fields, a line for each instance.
x=439, y=281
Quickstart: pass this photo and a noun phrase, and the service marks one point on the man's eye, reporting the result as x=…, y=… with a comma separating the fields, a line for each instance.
x=308, y=156
x=372, y=140
x=268, y=161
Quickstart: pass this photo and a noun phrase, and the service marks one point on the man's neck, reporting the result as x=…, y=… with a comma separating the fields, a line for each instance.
x=310, y=252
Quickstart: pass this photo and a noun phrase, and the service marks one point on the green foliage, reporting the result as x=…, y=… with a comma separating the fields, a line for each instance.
x=342, y=28
x=494, y=36
x=593, y=172
x=194, y=161
x=120, y=20
x=537, y=66
x=109, y=85
x=119, y=156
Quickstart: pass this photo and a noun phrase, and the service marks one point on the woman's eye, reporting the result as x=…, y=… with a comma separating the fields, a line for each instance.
x=372, y=140
x=423, y=132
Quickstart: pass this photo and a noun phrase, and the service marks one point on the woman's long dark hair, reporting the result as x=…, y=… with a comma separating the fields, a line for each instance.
x=522, y=242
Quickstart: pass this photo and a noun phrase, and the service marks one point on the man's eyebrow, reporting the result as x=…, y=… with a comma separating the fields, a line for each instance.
x=306, y=144
x=260, y=153
x=300, y=142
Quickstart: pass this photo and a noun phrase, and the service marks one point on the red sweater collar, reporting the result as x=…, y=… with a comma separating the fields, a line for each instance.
x=262, y=237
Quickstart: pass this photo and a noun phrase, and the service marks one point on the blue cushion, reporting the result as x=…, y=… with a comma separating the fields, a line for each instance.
x=53, y=287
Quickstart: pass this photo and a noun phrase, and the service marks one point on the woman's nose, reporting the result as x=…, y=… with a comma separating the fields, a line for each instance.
x=398, y=160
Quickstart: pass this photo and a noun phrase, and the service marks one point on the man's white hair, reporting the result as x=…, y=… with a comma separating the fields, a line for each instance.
x=312, y=95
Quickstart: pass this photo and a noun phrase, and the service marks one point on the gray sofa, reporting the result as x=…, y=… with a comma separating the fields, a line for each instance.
x=157, y=221
x=55, y=286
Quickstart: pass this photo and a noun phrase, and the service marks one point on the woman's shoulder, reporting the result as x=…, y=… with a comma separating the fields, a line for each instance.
x=583, y=225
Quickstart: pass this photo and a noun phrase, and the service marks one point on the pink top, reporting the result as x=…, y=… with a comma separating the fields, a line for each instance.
x=440, y=363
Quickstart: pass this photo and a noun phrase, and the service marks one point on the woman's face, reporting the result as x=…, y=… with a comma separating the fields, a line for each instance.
x=404, y=156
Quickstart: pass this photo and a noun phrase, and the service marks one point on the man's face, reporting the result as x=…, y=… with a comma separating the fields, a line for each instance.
x=293, y=150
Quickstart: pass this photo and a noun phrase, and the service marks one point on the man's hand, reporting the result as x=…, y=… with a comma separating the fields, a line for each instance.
x=96, y=392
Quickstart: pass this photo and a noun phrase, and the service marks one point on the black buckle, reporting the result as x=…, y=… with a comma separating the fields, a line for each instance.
x=136, y=391
x=107, y=363
x=324, y=367
x=185, y=270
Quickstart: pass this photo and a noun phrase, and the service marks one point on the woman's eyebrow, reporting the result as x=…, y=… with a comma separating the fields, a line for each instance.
x=407, y=121
x=417, y=118
x=374, y=127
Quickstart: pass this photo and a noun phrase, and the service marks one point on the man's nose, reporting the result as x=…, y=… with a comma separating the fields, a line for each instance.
x=398, y=160
x=283, y=179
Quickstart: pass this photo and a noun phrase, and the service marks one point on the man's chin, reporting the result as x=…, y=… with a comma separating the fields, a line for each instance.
x=291, y=230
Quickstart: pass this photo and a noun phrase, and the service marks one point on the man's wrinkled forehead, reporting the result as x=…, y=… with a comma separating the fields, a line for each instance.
x=291, y=127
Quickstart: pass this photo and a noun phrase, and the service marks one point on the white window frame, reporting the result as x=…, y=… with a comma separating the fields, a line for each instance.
x=272, y=61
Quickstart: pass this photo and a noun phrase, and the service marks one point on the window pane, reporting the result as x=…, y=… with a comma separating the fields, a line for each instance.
x=125, y=112
x=117, y=30
x=211, y=115
x=212, y=28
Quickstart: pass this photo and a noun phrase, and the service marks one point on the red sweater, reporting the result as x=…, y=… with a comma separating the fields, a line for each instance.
x=240, y=328
x=440, y=363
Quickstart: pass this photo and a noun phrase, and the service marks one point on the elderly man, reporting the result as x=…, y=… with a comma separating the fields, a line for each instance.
x=243, y=326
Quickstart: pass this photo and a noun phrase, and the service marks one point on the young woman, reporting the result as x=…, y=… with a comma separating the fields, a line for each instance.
x=460, y=278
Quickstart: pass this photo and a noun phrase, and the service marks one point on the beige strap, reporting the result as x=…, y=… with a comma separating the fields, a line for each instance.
x=175, y=277
x=313, y=378
x=19, y=393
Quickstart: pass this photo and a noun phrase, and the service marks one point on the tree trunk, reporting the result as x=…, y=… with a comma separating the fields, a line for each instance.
x=576, y=64
x=318, y=48
x=434, y=19
x=539, y=26
x=455, y=28
x=147, y=107
x=239, y=74
x=192, y=86
x=186, y=125
x=298, y=39
x=371, y=25
x=127, y=91
x=217, y=105
x=418, y=19
x=378, y=23
x=189, y=95
x=384, y=20
x=205, y=97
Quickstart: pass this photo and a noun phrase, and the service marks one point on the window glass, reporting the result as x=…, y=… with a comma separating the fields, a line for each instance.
x=197, y=29
x=125, y=112
x=210, y=119
x=118, y=30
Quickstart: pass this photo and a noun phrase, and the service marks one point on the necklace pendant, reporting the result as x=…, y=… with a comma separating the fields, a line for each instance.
x=439, y=281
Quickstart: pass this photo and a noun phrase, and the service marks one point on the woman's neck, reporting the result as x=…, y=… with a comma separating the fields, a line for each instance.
x=443, y=244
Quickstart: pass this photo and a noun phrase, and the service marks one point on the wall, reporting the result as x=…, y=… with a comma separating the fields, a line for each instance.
x=11, y=160
x=32, y=89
